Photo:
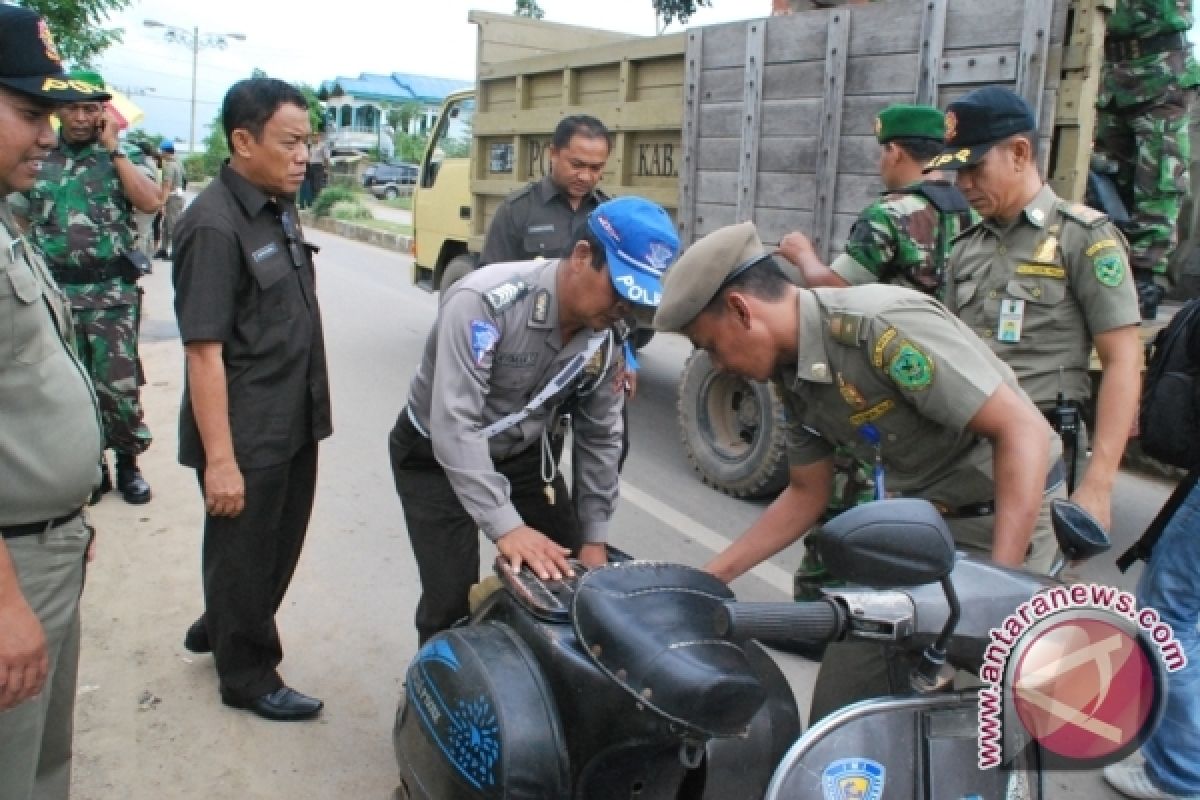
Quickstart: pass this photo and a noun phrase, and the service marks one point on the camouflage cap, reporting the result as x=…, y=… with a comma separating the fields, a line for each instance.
x=979, y=120
x=703, y=270
x=903, y=121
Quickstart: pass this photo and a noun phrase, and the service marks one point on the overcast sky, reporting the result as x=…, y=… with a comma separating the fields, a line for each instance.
x=311, y=42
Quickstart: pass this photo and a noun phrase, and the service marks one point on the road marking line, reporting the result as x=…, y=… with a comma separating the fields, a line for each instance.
x=767, y=572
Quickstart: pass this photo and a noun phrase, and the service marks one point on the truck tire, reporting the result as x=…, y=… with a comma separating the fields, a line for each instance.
x=458, y=268
x=732, y=430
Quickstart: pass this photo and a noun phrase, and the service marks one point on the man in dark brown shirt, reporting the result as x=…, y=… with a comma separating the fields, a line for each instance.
x=257, y=396
x=542, y=218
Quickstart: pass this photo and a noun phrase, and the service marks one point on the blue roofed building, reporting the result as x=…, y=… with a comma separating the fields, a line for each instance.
x=356, y=108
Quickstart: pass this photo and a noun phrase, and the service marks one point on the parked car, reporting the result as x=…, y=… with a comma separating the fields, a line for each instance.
x=398, y=174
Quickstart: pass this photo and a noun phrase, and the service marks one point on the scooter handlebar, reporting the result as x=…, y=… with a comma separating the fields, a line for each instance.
x=783, y=623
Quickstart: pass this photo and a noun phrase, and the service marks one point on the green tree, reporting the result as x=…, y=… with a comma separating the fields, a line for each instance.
x=77, y=26
x=529, y=8
x=668, y=11
x=316, y=109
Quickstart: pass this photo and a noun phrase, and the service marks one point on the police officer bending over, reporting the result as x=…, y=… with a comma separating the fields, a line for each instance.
x=884, y=371
x=891, y=375
x=514, y=347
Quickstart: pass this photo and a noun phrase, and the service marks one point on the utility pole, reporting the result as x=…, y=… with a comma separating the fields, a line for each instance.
x=195, y=40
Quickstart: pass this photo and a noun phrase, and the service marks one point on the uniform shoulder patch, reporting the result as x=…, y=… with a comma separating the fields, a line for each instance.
x=502, y=297
x=1109, y=267
x=1085, y=216
x=910, y=368
x=846, y=328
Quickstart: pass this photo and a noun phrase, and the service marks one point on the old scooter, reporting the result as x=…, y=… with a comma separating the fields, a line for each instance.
x=649, y=681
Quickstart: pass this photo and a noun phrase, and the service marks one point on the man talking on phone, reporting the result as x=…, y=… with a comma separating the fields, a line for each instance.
x=81, y=217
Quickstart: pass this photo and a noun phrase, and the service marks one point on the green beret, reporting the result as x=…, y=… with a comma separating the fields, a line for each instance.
x=909, y=122
x=90, y=83
x=698, y=275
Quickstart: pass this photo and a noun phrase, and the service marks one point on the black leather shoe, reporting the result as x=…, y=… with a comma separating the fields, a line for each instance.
x=282, y=705
x=133, y=486
x=196, y=638
x=105, y=484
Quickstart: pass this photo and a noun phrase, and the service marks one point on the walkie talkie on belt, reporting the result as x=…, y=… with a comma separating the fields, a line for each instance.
x=1064, y=418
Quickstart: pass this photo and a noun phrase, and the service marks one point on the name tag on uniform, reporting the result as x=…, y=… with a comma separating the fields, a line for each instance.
x=264, y=252
x=547, y=228
x=1012, y=316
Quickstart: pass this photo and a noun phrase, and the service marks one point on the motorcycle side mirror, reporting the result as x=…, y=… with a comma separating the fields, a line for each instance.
x=887, y=544
x=1080, y=535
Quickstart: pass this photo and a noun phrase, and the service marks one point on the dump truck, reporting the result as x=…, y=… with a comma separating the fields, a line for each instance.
x=770, y=120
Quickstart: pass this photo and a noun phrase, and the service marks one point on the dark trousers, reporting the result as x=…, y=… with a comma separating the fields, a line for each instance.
x=248, y=562
x=445, y=540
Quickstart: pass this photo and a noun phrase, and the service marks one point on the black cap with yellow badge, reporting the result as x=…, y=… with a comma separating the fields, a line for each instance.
x=979, y=120
x=30, y=62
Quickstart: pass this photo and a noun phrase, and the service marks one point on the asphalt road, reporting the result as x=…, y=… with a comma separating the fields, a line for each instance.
x=149, y=721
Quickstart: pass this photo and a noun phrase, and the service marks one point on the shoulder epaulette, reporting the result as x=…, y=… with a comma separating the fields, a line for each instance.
x=1084, y=215
x=503, y=297
x=847, y=328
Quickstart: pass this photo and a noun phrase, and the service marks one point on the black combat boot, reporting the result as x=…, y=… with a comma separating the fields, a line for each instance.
x=133, y=486
x=105, y=483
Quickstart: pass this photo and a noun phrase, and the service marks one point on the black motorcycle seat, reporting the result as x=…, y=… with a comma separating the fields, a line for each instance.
x=651, y=628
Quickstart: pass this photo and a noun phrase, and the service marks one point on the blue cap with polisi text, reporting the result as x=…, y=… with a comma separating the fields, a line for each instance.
x=640, y=242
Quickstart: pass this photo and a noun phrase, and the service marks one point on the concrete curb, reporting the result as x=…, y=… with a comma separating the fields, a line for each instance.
x=399, y=242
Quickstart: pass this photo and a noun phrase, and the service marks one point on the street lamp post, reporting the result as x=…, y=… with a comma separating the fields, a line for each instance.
x=194, y=39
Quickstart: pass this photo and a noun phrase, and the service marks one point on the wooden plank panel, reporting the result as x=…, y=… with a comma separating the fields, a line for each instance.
x=710, y=217
x=797, y=37
x=722, y=121
x=786, y=190
x=792, y=117
x=931, y=42
x=632, y=47
x=717, y=187
x=599, y=84
x=858, y=114
x=997, y=65
x=794, y=80
x=724, y=45
x=656, y=73
x=498, y=95
x=870, y=74
x=836, y=81
x=1035, y=42
x=690, y=134
x=859, y=155
x=543, y=90
x=790, y=154
x=716, y=154
x=723, y=85
x=756, y=37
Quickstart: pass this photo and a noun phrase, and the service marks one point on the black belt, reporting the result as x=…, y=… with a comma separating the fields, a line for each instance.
x=31, y=528
x=1129, y=49
x=67, y=276
x=1056, y=475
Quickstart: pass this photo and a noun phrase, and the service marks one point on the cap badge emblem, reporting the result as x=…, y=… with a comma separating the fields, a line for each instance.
x=951, y=126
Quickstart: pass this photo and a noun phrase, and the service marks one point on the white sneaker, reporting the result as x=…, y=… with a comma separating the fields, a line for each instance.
x=1131, y=780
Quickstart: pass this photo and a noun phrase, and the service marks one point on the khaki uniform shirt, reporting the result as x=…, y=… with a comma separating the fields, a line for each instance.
x=1038, y=289
x=495, y=345
x=50, y=442
x=536, y=221
x=896, y=360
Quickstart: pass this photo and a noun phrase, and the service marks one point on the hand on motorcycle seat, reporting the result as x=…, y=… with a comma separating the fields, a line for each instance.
x=525, y=545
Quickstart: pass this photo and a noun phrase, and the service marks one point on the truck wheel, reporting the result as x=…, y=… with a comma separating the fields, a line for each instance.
x=458, y=268
x=732, y=430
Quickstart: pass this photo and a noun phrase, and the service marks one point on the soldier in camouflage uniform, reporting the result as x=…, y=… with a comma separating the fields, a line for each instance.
x=80, y=214
x=1143, y=123
x=903, y=237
